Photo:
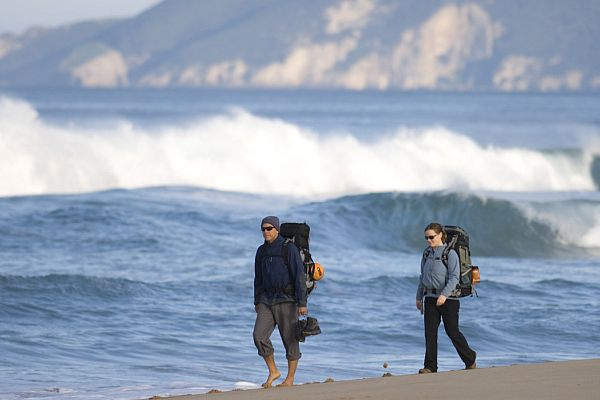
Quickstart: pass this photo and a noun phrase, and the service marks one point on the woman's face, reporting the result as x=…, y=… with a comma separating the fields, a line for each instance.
x=433, y=239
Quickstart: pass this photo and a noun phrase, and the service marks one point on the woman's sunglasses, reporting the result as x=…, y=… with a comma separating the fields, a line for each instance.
x=430, y=237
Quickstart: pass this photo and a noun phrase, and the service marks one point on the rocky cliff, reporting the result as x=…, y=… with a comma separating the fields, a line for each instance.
x=508, y=45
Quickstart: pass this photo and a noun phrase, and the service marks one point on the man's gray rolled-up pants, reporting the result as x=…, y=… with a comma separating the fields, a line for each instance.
x=285, y=316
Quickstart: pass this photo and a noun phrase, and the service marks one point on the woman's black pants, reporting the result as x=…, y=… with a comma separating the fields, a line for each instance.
x=448, y=312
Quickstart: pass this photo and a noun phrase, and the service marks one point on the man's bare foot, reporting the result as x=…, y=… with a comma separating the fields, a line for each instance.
x=286, y=382
x=272, y=377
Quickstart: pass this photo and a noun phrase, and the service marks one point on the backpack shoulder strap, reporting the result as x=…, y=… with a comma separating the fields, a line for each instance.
x=448, y=249
x=445, y=257
x=260, y=252
x=426, y=252
x=285, y=251
x=285, y=254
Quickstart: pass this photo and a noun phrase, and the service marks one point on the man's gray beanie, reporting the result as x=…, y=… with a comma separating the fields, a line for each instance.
x=272, y=220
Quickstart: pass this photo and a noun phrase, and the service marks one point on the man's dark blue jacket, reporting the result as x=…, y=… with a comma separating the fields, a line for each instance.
x=272, y=283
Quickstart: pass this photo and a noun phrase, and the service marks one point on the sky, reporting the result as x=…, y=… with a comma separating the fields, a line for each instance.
x=18, y=15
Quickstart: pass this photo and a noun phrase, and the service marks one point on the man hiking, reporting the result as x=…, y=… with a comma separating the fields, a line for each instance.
x=279, y=298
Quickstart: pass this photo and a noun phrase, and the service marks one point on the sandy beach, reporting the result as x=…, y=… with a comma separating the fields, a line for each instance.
x=551, y=380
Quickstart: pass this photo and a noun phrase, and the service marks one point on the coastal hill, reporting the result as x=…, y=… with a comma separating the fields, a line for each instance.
x=483, y=45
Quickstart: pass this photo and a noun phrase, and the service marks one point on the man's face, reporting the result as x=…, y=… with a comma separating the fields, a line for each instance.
x=269, y=232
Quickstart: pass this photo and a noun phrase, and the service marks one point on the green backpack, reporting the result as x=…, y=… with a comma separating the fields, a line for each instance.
x=457, y=239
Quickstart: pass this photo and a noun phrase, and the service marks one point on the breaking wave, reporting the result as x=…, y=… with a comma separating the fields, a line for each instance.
x=498, y=227
x=242, y=152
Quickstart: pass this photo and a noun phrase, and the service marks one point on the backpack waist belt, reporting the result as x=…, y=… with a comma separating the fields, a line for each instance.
x=438, y=292
x=289, y=290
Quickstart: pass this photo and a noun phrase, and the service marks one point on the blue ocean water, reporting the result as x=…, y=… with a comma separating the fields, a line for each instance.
x=129, y=221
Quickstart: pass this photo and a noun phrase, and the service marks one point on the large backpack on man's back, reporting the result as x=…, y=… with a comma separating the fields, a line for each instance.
x=457, y=239
x=299, y=233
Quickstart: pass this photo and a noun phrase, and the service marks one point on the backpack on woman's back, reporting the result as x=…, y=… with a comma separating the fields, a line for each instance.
x=457, y=239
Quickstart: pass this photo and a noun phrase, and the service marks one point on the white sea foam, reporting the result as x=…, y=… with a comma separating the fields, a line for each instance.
x=243, y=152
x=245, y=385
x=576, y=222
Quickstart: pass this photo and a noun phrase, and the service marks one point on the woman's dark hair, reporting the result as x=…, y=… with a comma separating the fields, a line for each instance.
x=437, y=228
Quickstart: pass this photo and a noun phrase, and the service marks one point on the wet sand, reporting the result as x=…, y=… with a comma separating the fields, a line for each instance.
x=551, y=380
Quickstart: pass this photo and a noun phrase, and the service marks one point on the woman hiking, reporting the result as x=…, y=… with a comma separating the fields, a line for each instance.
x=435, y=299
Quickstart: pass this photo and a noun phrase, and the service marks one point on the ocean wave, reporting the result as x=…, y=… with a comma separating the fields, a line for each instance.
x=117, y=289
x=75, y=285
x=498, y=227
x=567, y=284
x=242, y=152
x=341, y=284
x=164, y=226
x=382, y=287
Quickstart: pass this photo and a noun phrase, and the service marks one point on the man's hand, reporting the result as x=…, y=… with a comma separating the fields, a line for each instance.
x=302, y=310
x=440, y=300
x=256, y=308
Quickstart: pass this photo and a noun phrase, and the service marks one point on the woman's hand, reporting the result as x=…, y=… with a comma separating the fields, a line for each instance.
x=420, y=305
x=440, y=300
x=302, y=310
